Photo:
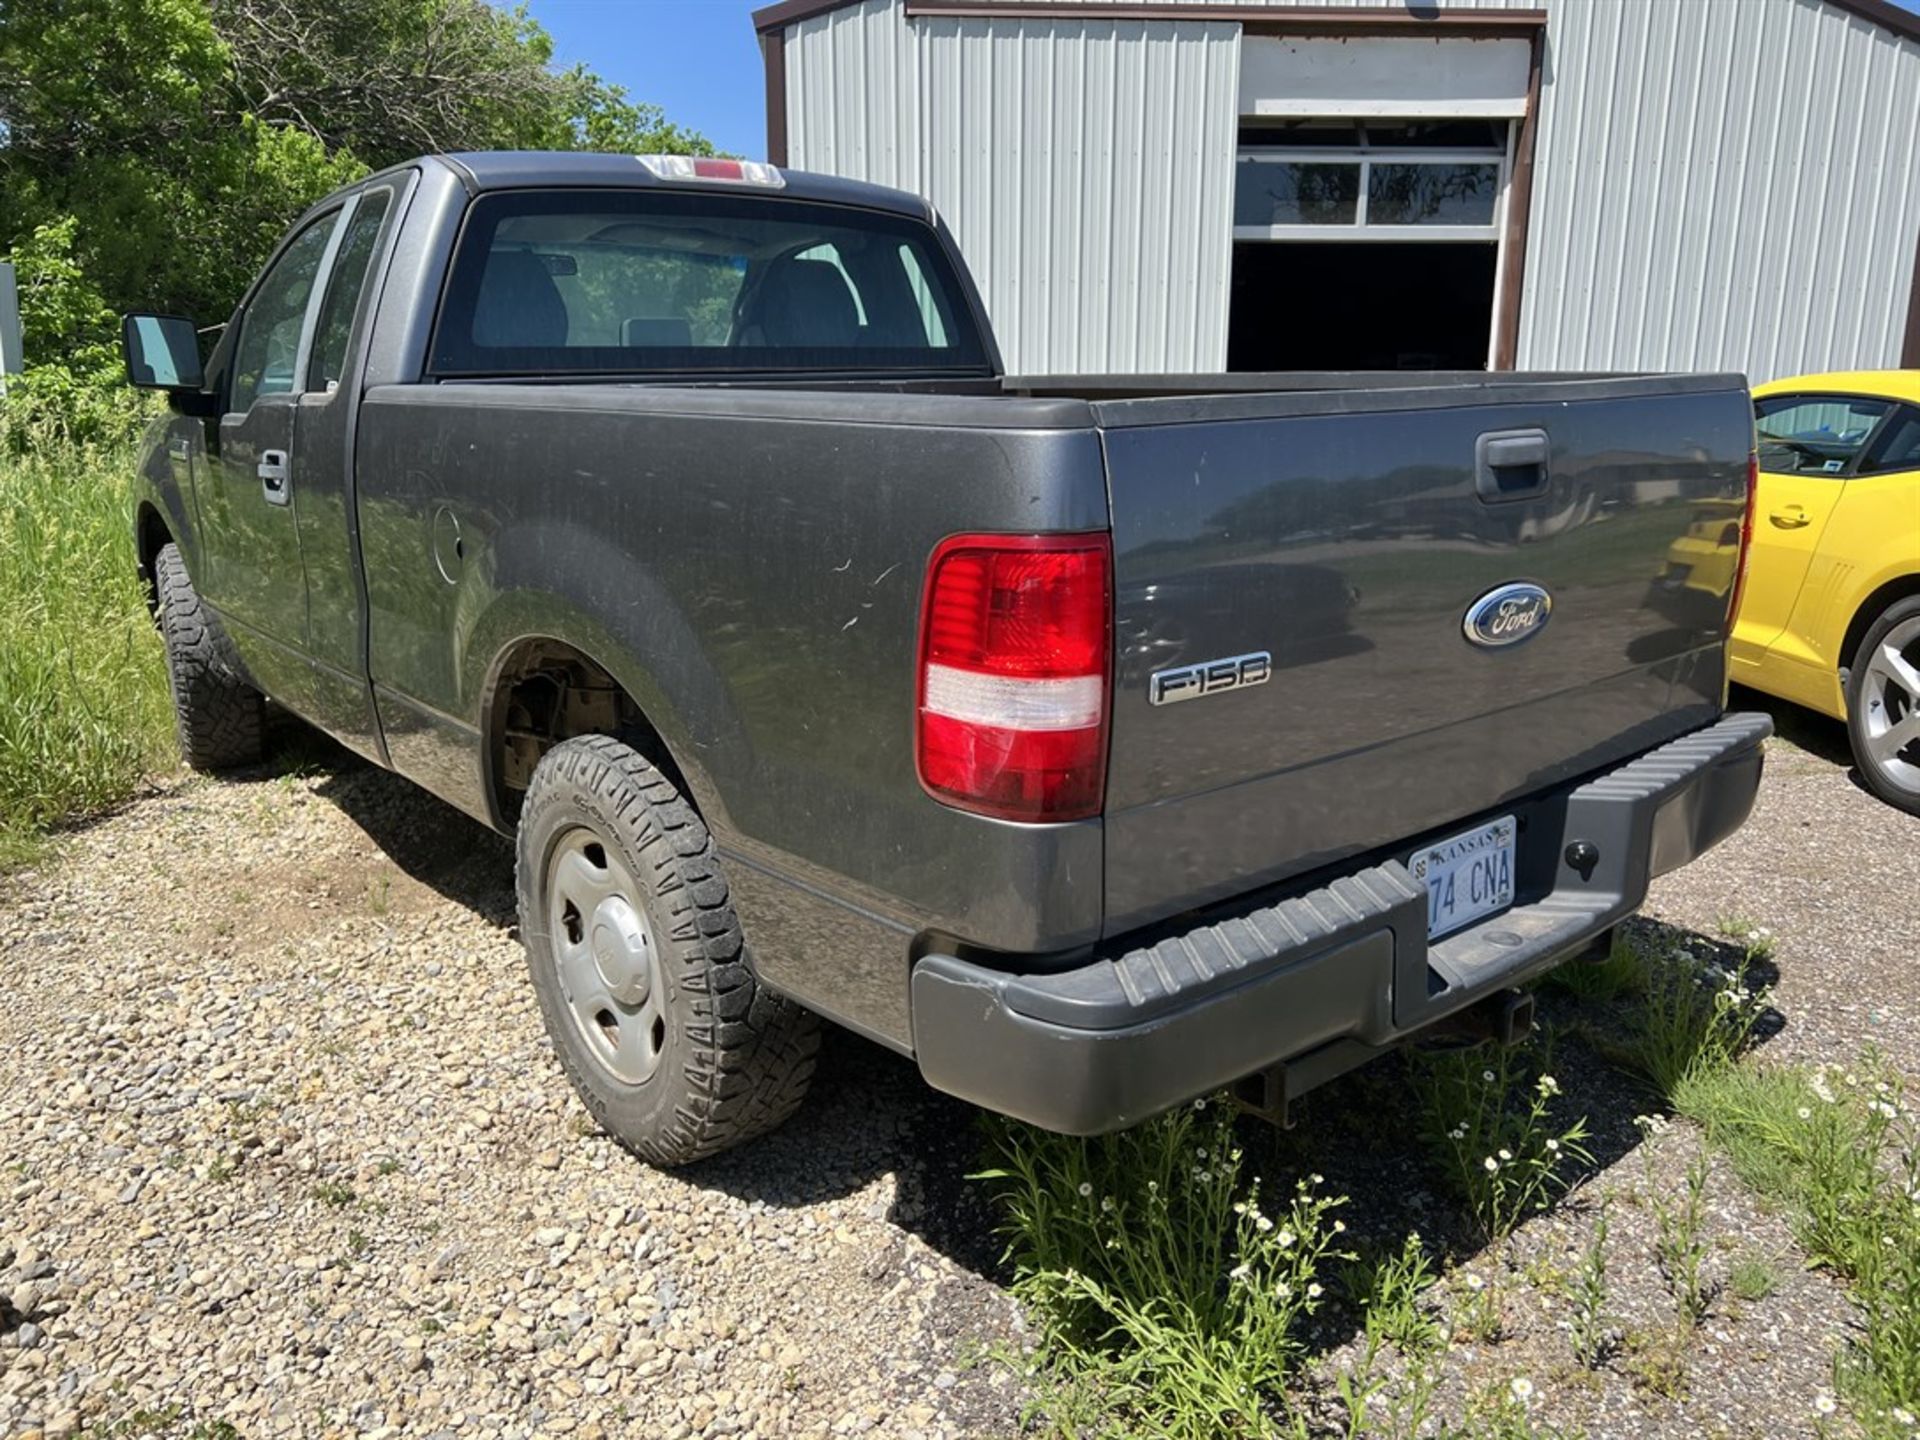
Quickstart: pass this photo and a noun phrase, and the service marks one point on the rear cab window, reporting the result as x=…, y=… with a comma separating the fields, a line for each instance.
x=620, y=282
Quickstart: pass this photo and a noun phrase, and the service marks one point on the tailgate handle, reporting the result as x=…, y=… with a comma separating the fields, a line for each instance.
x=1511, y=465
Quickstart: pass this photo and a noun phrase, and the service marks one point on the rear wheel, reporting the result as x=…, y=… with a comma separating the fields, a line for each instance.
x=219, y=716
x=1883, y=705
x=638, y=962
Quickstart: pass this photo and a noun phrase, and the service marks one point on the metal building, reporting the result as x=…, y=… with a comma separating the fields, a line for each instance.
x=1234, y=184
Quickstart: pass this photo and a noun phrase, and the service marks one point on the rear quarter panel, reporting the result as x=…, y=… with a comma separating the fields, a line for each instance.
x=749, y=566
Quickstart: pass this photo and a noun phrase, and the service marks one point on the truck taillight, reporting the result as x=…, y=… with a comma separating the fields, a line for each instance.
x=1016, y=638
x=1746, y=541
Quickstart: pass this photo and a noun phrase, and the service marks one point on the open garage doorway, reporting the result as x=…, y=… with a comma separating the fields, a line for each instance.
x=1369, y=243
x=1361, y=307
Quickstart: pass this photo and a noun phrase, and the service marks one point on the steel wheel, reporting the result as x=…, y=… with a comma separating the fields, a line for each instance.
x=1890, y=706
x=604, y=952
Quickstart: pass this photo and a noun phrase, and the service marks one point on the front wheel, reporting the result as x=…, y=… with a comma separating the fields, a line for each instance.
x=638, y=962
x=219, y=717
x=1883, y=705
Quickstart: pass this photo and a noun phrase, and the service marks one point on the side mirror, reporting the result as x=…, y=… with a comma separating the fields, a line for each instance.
x=162, y=352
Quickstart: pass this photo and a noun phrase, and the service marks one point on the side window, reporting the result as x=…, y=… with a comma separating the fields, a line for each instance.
x=349, y=278
x=1898, y=447
x=268, y=352
x=1814, y=434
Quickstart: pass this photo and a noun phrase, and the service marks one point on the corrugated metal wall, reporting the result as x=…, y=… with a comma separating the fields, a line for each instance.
x=1719, y=184
x=1086, y=167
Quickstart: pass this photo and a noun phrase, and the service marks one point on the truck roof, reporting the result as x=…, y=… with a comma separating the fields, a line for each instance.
x=518, y=169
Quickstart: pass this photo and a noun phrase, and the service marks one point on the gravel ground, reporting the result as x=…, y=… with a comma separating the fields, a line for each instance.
x=284, y=1148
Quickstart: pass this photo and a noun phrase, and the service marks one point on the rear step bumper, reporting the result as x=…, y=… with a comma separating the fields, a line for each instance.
x=1325, y=980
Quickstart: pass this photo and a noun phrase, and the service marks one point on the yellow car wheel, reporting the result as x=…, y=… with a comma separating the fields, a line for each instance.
x=1883, y=705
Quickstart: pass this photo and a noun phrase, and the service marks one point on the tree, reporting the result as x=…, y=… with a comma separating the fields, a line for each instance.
x=152, y=151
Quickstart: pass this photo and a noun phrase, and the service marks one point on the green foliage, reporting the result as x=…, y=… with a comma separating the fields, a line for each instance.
x=152, y=151
x=83, y=698
x=1679, y=1250
x=1493, y=1135
x=1688, y=1015
x=1593, y=1336
x=1160, y=1284
x=1841, y=1148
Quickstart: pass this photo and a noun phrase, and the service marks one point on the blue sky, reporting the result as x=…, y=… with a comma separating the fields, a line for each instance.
x=696, y=58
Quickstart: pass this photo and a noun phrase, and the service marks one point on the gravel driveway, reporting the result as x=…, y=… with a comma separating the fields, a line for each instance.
x=284, y=1148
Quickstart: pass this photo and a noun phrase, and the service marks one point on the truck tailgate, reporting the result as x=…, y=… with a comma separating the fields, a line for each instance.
x=1346, y=536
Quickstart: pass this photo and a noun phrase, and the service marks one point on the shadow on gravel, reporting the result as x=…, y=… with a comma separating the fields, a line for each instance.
x=870, y=1115
x=1817, y=734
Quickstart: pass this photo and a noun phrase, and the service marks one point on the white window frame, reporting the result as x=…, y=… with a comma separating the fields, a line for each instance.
x=1365, y=158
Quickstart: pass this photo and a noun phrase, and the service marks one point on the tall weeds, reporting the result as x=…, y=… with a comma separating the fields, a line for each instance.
x=83, y=696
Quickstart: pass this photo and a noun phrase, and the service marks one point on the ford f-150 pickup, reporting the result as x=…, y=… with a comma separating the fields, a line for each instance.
x=1096, y=741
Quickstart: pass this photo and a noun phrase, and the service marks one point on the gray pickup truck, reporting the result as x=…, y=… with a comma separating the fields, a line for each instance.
x=1097, y=741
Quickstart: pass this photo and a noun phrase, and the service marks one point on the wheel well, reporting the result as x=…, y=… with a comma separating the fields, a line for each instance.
x=150, y=534
x=547, y=691
x=1870, y=610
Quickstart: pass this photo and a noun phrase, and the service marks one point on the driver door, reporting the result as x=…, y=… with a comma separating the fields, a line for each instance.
x=1808, y=445
x=249, y=511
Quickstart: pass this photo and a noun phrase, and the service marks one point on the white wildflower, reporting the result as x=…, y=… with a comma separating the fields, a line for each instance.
x=1240, y=1271
x=1475, y=1283
x=1339, y=1227
x=1804, y=1113
x=1491, y=1164
x=1487, y=1075
x=1506, y=1154
x=1881, y=1107
x=1549, y=1085
x=1285, y=1239
x=1313, y=1291
x=1553, y=1145
x=1824, y=1403
x=1522, y=1388
x=1902, y=1417
x=1086, y=1188
x=1106, y=1204
x=1263, y=1224
x=1282, y=1290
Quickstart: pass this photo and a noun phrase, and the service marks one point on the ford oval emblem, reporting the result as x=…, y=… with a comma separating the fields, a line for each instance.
x=1508, y=615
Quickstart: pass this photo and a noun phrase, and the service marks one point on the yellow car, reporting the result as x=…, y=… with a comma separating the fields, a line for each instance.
x=1830, y=614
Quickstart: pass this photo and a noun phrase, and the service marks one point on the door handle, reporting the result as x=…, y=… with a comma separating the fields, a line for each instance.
x=1789, y=517
x=1511, y=465
x=272, y=471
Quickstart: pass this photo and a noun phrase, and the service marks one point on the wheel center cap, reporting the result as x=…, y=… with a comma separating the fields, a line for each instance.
x=621, y=951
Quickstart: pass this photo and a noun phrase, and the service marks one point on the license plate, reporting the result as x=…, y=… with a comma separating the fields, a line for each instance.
x=1467, y=877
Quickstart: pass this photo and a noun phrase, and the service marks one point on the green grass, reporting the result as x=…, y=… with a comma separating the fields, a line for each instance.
x=1841, y=1149
x=1170, y=1302
x=84, y=713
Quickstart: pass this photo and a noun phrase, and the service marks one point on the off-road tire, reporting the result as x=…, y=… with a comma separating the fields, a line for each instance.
x=1897, y=615
x=737, y=1058
x=219, y=716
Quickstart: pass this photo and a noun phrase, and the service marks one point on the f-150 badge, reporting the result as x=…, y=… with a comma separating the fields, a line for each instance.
x=1210, y=677
x=1508, y=615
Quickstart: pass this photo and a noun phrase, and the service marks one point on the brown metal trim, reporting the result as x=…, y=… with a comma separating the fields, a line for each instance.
x=1884, y=14
x=1255, y=19
x=1259, y=19
x=1910, y=351
x=773, y=51
x=1506, y=343
x=792, y=12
